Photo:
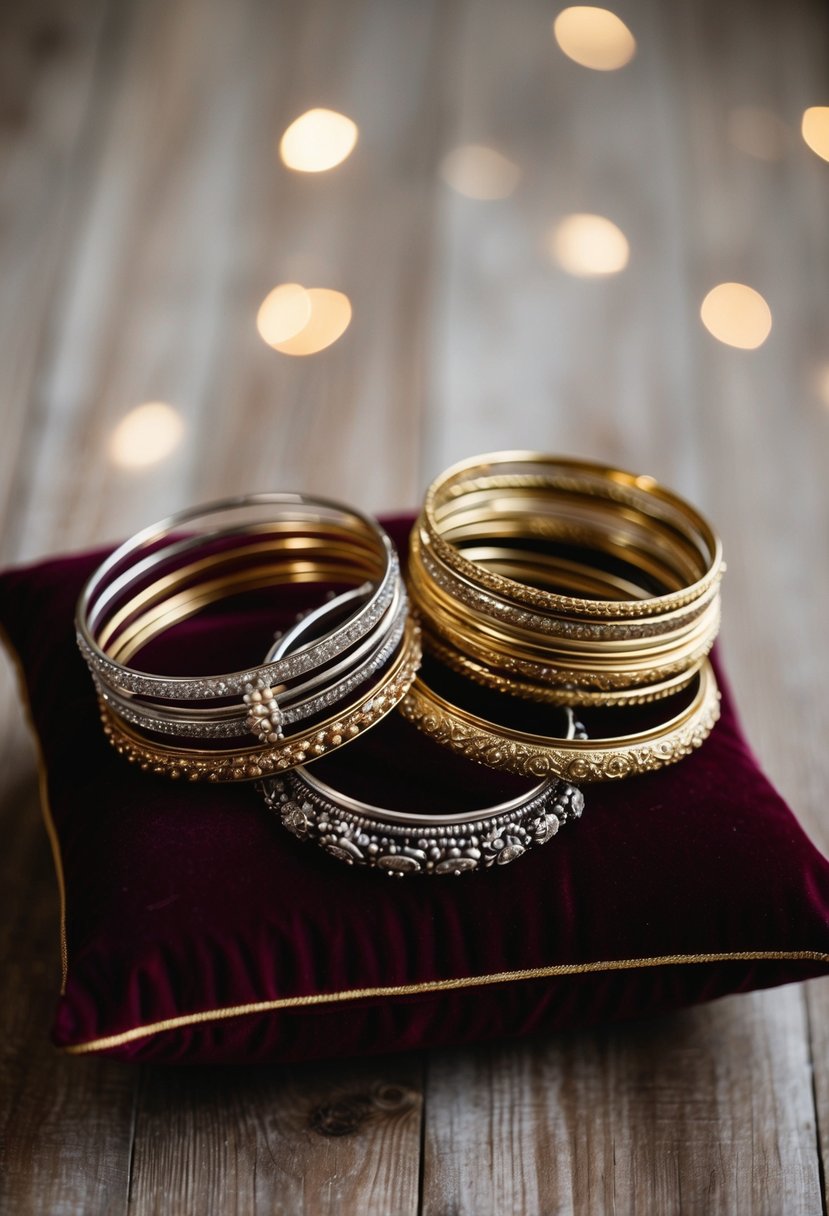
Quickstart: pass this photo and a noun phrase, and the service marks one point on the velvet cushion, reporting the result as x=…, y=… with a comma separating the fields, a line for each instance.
x=198, y=929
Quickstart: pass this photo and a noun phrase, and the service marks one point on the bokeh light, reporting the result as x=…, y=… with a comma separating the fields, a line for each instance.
x=757, y=132
x=589, y=246
x=822, y=383
x=328, y=317
x=477, y=171
x=283, y=313
x=736, y=315
x=815, y=129
x=594, y=38
x=318, y=140
x=146, y=435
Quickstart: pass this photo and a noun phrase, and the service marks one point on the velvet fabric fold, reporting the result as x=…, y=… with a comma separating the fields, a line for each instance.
x=199, y=930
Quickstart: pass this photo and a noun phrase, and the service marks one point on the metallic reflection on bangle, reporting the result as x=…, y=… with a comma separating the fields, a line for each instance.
x=593, y=759
x=401, y=843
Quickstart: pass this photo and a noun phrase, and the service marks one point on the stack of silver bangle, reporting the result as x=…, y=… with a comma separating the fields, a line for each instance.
x=358, y=668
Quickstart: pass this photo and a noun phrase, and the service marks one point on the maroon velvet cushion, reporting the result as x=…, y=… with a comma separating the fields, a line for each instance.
x=198, y=929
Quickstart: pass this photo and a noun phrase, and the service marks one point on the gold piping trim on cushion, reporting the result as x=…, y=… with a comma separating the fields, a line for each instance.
x=45, y=808
x=469, y=981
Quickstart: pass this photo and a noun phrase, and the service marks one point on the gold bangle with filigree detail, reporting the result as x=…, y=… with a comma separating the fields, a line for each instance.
x=579, y=761
x=575, y=482
x=553, y=578
x=303, y=747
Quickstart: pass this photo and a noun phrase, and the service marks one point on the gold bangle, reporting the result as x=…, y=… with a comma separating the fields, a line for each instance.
x=247, y=764
x=453, y=620
x=142, y=629
x=575, y=697
x=577, y=760
x=318, y=551
x=573, y=477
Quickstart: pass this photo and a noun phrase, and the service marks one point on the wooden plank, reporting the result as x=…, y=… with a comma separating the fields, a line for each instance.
x=48, y=60
x=185, y=246
x=316, y=1140
x=66, y=1130
x=348, y=421
x=817, y=1006
x=660, y=1116
x=66, y=1127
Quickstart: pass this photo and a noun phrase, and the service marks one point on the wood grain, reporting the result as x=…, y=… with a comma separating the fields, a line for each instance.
x=66, y=1131
x=311, y=1140
x=706, y=1111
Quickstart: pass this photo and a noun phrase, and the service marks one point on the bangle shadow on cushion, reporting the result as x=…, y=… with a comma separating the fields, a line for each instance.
x=197, y=930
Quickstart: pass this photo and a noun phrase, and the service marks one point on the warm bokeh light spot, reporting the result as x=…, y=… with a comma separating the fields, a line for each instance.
x=815, y=128
x=146, y=435
x=330, y=318
x=757, y=132
x=589, y=246
x=822, y=383
x=477, y=171
x=318, y=140
x=594, y=37
x=736, y=315
x=283, y=313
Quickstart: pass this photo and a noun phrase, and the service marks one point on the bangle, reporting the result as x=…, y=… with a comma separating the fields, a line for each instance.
x=576, y=760
x=562, y=580
x=402, y=843
x=559, y=694
x=250, y=763
x=173, y=570
x=298, y=702
x=299, y=534
x=673, y=520
x=398, y=842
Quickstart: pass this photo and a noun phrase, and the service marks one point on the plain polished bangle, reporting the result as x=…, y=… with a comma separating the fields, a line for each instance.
x=578, y=761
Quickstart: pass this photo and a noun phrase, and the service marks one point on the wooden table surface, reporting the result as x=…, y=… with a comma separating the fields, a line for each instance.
x=144, y=215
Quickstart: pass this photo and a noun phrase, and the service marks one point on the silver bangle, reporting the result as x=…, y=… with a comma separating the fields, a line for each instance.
x=289, y=706
x=399, y=842
x=135, y=561
x=173, y=569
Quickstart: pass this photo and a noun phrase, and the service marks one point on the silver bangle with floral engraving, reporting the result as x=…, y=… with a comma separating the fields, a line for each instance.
x=403, y=843
x=400, y=842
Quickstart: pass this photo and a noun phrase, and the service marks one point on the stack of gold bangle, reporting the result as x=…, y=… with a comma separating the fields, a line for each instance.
x=562, y=581
x=329, y=691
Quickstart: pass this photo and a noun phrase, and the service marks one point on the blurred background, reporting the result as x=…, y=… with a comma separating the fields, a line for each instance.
x=507, y=225
x=337, y=245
